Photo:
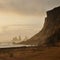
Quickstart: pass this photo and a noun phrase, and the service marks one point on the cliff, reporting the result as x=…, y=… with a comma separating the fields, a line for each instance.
x=50, y=34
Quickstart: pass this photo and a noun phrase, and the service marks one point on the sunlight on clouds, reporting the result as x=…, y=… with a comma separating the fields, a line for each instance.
x=13, y=24
x=7, y=19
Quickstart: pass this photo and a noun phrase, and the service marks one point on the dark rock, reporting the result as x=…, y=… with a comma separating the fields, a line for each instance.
x=50, y=34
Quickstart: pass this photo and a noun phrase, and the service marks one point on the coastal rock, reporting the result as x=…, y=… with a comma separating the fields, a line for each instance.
x=50, y=34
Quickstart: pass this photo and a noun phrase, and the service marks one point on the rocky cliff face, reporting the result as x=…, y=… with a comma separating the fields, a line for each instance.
x=50, y=34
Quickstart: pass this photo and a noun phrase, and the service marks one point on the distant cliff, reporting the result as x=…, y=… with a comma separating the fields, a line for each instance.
x=50, y=34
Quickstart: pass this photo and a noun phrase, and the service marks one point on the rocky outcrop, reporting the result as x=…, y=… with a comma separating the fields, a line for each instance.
x=50, y=34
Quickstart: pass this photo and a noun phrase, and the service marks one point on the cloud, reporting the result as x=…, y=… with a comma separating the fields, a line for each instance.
x=28, y=6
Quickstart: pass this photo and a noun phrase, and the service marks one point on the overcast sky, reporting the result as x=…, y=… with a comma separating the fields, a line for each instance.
x=28, y=6
x=25, y=11
x=17, y=12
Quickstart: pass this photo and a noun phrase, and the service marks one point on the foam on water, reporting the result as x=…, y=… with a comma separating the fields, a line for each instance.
x=14, y=45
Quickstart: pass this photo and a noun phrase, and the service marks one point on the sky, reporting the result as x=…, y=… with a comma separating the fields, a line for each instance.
x=27, y=15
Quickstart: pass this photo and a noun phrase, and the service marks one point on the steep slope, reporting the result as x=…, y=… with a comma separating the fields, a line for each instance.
x=50, y=34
